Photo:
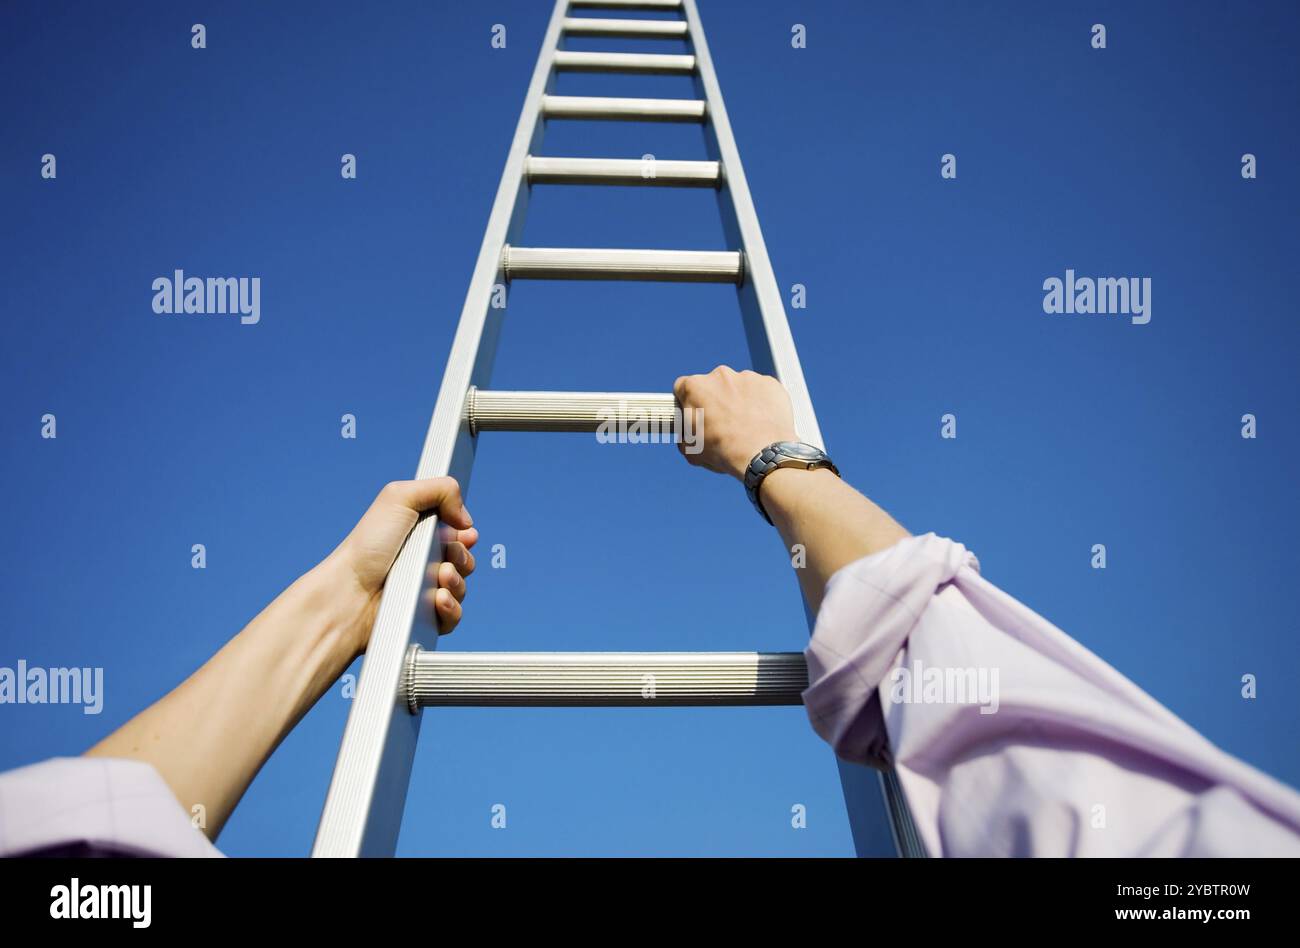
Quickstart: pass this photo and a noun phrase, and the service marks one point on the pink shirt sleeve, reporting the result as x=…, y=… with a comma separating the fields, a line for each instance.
x=1011, y=738
x=94, y=805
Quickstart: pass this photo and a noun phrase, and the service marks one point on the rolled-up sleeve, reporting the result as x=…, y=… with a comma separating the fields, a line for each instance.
x=1009, y=737
x=94, y=806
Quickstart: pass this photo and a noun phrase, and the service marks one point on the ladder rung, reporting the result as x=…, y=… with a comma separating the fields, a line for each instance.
x=644, y=110
x=625, y=4
x=487, y=410
x=662, y=266
x=568, y=60
x=687, y=174
x=642, y=29
x=610, y=679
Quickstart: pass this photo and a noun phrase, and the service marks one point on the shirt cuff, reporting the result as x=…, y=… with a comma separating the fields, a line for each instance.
x=95, y=805
x=869, y=610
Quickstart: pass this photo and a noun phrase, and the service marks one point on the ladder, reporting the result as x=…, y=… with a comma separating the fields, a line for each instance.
x=401, y=673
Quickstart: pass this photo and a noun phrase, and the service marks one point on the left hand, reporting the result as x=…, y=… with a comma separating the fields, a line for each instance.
x=369, y=550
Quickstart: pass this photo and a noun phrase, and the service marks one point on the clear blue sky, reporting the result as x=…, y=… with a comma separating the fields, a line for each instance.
x=924, y=297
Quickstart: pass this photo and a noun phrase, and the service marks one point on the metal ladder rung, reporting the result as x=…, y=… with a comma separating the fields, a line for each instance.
x=568, y=60
x=643, y=110
x=662, y=266
x=607, y=679
x=489, y=410
x=625, y=4
x=630, y=171
x=632, y=29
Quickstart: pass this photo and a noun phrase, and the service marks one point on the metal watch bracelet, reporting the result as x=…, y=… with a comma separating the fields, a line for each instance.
x=779, y=454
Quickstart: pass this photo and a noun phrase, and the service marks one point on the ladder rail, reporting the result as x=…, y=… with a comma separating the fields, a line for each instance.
x=767, y=331
x=367, y=794
x=772, y=351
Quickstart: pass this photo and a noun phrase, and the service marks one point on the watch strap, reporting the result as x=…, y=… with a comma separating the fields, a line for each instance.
x=773, y=457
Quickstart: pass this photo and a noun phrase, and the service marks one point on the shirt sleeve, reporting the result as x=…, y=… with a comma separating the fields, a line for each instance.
x=94, y=806
x=1009, y=737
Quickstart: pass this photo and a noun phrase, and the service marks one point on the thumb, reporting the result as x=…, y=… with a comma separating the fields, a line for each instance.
x=439, y=494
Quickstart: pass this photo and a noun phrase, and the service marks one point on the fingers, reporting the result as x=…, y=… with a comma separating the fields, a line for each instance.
x=452, y=580
x=446, y=579
x=445, y=608
x=455, y=559
x=444, y=595
x=705, y=394
x=458, y=555
x=688, y=386
x=434, y=493
x=448, y=535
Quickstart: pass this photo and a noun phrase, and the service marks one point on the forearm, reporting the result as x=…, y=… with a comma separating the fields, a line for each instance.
x=740, y=413
x=209, y=737
x=833, y=523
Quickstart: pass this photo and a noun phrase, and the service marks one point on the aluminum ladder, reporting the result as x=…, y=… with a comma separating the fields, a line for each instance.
x=401, y=674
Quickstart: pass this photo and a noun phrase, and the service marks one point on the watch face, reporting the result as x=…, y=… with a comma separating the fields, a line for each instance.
x=797, y=449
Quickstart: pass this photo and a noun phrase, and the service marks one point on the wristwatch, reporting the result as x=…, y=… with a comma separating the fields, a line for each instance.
x=778, y=455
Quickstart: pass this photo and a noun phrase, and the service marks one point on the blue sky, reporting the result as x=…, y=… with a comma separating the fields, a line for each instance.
x=924, y=297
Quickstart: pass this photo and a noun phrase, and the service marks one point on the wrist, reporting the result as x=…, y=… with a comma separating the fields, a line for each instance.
x=783, y=455
x=339, y=612
x=740, y=460
x=783, y=488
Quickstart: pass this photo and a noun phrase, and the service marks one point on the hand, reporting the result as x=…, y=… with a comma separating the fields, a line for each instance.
x=740, y=413
x=368, y=552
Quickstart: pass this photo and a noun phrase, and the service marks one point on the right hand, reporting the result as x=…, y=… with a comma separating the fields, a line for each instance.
x=740, y=413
